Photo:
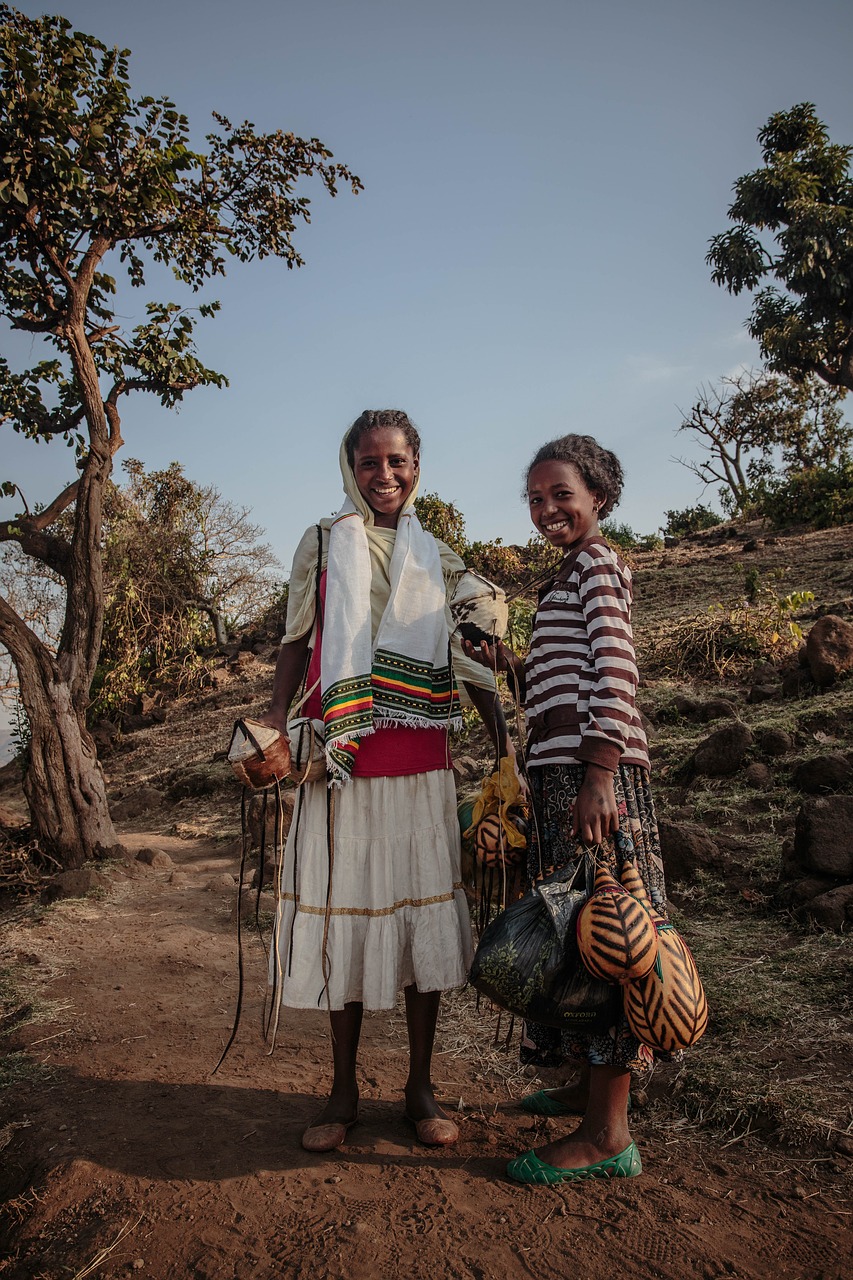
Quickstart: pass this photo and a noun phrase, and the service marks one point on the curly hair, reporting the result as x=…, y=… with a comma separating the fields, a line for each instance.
x=600, y=469
x=370, y=419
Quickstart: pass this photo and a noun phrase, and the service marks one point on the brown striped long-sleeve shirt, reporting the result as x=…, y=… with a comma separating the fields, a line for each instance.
x=581, y=672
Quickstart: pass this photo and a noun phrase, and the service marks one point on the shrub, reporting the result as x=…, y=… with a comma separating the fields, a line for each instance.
x=515, y=568
x=690, y=520
x=821, y=497
x=624, y=537
x=443, y=520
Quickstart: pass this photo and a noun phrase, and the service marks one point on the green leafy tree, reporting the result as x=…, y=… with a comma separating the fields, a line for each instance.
x=221, y=568
x=793, y=224
x=183, y=569
x=90, y=174
x=819, y=497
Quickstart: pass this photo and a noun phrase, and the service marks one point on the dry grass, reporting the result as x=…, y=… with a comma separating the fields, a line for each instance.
x=723, y=643
x=776, y=1057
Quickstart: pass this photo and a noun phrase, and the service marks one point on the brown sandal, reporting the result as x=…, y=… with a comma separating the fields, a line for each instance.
x=326, y=1137
x=435, y=1131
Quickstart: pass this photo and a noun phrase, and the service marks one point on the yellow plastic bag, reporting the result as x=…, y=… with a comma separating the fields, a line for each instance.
x=500, y=794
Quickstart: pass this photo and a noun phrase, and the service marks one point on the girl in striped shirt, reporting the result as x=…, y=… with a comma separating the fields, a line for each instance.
x=588, y=769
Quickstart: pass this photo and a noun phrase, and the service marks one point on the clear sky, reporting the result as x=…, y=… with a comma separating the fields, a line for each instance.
x=528, y=255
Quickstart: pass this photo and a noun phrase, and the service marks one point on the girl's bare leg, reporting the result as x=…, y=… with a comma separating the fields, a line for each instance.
x=342, y=1104
x=421, y=1018
x=603, y=1131
x=574, y=1094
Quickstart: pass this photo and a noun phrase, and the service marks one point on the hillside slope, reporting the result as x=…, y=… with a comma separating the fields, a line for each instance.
x=123, y=1155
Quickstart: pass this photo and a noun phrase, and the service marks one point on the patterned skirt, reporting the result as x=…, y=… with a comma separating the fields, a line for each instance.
x=554, y=788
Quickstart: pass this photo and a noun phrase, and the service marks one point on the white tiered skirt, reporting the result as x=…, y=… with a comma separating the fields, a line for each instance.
x=397, y=914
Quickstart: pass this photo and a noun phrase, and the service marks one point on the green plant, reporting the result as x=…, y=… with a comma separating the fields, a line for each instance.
x=443, y=520
x=515, y=568
x=820, y=497
x=520, y=629
x=690, y=520
x=624, y=537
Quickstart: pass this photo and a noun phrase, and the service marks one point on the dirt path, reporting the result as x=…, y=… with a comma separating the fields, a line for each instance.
x=205, y=1175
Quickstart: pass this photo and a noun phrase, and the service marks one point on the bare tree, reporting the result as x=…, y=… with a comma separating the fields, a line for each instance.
x=731, y=421
x=755, y=425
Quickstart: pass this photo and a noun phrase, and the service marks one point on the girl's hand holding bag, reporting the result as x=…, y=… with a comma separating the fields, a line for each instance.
x=528, y=961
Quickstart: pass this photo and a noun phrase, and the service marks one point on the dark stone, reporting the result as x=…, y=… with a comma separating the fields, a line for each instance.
x=832, y=910
x=104, y=731
x=717, y=709
x=73, y=884
x=829, y=646
x=686, y=848
x=132, y=723
x=824, y=836
x=841, y=608
x=757, y=775
x=686, y=708
x=790, y=866
x=823, y=774
x=200, y=780
x=156, y=858
x=804, y=890
x=752, y=545
x=775, y=742
x=221, y=884
x=723, y=752
x=136, y=804
x=762, y=693
x=796, y=682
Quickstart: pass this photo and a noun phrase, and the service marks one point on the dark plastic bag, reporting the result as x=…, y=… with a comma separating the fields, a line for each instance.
x=528, y=961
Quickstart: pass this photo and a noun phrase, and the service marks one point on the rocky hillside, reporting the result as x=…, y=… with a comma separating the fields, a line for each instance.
x=754, y=785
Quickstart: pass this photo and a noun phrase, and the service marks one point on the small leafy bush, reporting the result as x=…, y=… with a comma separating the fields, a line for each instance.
x=624, y=537
x=690, y=520
x=820, y=497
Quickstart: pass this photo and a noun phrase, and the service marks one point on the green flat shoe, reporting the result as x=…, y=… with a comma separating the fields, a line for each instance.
x=542, y=1104
x=535, y=1172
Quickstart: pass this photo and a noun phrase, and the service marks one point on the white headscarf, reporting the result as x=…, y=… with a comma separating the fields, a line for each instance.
x=396, y=672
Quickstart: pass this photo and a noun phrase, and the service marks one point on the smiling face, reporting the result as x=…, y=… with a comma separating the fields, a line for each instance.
x=562, y=508
x=385, y=470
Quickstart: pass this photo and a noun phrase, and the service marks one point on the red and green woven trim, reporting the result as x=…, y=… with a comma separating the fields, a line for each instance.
x=398, y=691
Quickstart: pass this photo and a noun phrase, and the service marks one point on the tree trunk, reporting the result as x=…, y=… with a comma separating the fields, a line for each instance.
x=63, y=781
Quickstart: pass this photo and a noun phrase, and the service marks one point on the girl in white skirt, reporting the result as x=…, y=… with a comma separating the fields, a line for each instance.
x=371, y=894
